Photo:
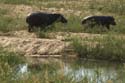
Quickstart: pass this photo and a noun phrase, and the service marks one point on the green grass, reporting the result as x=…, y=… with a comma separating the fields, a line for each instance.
x=9, y=23
x=115, y=6
x=8, y=60
x=107, y=48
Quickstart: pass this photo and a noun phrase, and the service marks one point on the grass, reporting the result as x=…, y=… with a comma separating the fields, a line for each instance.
x=9, y=23
x=114, y=6
x=42, y=34
x=8, y=60
x=108, y=48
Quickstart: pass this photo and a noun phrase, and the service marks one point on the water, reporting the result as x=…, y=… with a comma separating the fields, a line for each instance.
x=20, y=72
x=23, y=68
x=77, y=70
x=100, y=72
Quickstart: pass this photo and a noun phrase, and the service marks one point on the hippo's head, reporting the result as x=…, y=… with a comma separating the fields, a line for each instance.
x=112, y=20
x=83, y=22
x=61, y=18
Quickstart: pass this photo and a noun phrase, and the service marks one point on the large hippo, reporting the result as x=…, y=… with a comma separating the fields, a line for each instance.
x=105, y=21
x=42, y=19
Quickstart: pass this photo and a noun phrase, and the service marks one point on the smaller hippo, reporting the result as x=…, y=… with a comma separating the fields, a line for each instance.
x=104, y=21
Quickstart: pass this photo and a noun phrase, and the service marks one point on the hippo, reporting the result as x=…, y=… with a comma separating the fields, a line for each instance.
x=42, y=19
x=104, y=21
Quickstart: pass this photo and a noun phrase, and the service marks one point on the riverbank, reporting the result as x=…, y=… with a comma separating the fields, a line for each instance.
x=60, y=45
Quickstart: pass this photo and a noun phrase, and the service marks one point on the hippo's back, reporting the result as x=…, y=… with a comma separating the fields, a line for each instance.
x=37, y=19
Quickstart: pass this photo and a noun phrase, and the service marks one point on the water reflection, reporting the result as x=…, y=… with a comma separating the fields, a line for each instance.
x=21, y=72
x=22, y=68
x=78, y=70
x=95, y=71
x=101, y=75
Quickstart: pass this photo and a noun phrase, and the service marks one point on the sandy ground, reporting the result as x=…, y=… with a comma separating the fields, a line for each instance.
x=30, y=45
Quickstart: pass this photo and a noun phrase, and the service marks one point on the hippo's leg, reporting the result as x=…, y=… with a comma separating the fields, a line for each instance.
x=30, y=28
x=108, y=27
